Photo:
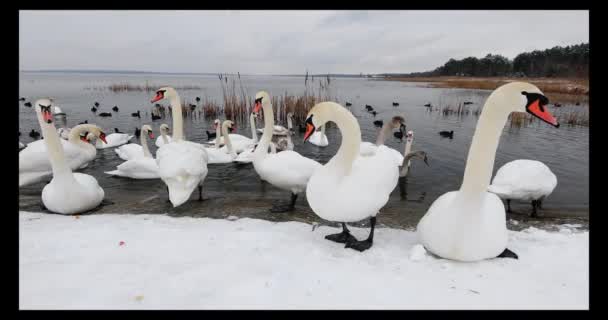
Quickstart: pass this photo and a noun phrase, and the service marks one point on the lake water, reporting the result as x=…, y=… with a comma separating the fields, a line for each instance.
x=233, y=189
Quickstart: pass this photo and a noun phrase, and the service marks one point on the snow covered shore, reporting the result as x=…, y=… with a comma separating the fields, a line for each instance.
x=111, y=261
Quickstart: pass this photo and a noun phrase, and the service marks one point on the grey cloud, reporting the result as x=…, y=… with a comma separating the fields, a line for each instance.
x=280, y=42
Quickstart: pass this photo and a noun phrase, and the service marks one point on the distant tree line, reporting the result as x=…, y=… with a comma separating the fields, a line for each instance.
x=569, y=61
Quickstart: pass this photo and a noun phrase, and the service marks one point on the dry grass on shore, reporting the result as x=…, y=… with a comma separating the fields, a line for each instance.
x=558, y=89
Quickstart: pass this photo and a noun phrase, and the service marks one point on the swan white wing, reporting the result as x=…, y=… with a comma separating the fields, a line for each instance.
x=233, y=138
x=182, y=166
x=357, y=195
x=287, y=170
x=81, y=194
x=523, y=180
x=113, y=140
x=130, y=151
x=219, y=155
x=245, y=156
x=239, y=145
x=370, y=149
x=34, y=162
x=318, y=139
x=141, y=168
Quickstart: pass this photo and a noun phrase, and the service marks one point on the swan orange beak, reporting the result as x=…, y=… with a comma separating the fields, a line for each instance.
x=47, y=116
x=257, y=107
x=102, y=136
x=310, y=128
x=536, y=107
x=151, y=135
x=159, y=96
x=539, y=111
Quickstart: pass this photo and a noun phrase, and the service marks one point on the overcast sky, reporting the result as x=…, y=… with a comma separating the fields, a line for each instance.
x=285, y=42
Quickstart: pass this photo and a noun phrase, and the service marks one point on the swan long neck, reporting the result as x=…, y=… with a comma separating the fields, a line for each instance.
x=254, y=135
x=408, y=150
x=386, y=128
x=323, y=130
x=144, y=143
x=218, y=134
x=262, y=150
x=56, y=155
x=178, y=122
x=405, y=165
x=164, y=135
x=351, y=138
x=226, y=136
x=289, y=123
x=482, y=153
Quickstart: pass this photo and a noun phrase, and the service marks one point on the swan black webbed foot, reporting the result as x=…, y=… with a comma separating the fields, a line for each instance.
x=342, y=237
x=367, y=243
x=508, y=254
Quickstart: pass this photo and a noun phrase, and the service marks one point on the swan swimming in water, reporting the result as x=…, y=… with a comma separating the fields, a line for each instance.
x=68, y=192
x=34, y=162
x=470, y=224
x=164, y=135
x=144, y=167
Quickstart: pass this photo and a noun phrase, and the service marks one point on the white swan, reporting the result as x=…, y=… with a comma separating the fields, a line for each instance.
x=34, y=163
x=114, y=140
x=285, y=143
x=240, y=142
x=182, y=165
x=225, y=154
x=164, y=135
x=318, y=138
x=133, y=150
x=286, y=170
x=340, y=190
x=247, y=155
x=144, y=167
x=279, y=130
x=470, y=224
x=525, y=180
x=368, y=148
x=68, y=192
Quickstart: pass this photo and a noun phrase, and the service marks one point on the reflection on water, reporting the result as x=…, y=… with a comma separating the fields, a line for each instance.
x=235, y=189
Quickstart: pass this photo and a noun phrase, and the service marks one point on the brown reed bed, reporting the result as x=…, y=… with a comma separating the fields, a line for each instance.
x=127, y=87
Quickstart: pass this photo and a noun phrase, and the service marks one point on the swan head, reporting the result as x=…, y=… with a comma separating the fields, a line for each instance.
x=262, y=98
x=147, y=129
x=164, y=93
x=228, y=124
x=164, y=128
x=96, y=132
x=318, y=116
x=409, y=136
x=43, y=106
x=525, y=97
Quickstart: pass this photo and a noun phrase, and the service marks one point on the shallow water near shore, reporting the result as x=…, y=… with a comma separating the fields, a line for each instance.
x=236, y=190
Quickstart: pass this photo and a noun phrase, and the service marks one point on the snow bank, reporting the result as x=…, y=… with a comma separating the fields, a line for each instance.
x=158, y=262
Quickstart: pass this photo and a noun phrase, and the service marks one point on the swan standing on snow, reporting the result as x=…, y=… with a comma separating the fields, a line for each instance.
x=470, y=224
x=225, y=154
x=143, y=167
x=164, y=135
x=286, y=170
x=340, y=190
x=318, y=138
x=68, y=192
x=182, y=165
x=114, y=140
x=34, y=163
x=525, y=180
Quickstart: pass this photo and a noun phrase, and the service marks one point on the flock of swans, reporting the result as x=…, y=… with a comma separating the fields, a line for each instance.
x=466, y=225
